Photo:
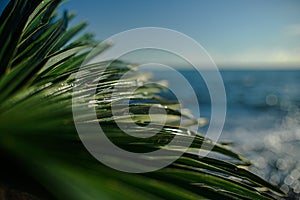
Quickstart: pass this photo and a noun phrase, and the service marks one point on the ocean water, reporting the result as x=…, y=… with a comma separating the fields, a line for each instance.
x=262, y=120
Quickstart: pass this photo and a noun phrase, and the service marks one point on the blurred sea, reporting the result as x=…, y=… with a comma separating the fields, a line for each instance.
x=263, y=119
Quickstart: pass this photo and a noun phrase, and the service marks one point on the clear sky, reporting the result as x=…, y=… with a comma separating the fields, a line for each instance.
x=234, y=32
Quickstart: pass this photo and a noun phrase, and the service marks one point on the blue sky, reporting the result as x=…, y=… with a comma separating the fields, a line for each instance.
x=234, y=32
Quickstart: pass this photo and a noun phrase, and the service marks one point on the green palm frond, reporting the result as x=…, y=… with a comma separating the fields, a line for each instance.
x=39, y=56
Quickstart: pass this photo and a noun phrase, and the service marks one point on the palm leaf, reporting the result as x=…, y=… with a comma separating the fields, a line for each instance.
x=38, y=62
